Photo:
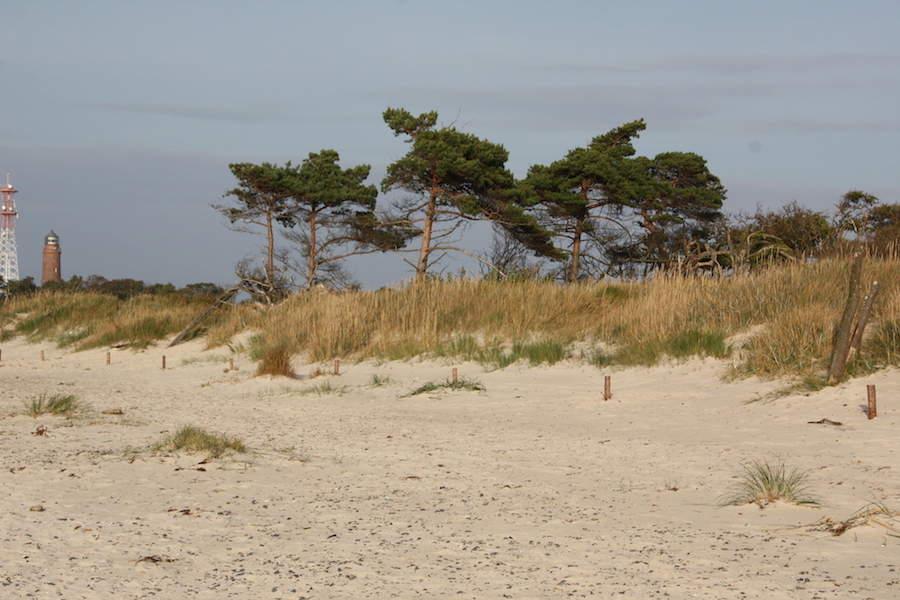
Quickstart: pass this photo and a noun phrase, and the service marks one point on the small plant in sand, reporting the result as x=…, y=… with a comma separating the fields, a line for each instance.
x=325, y=388
x=764, y=483
x=195, y=439
x=448, y=384
x=57, y=404
x=380, y=380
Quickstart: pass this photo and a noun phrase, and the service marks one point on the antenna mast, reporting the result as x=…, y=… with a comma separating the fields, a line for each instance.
x=9, y=259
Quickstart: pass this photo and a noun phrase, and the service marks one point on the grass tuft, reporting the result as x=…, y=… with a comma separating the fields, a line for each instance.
x=324, y=389
x=448, y=384
x=764, y=483
x=58, y=404
x=380, y=380
x=275, y=360
x=194, y=439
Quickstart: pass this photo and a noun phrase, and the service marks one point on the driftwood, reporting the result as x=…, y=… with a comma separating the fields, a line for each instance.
x=224, y=298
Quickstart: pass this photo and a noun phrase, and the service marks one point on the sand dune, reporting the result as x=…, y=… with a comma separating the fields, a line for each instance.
x=533, y=488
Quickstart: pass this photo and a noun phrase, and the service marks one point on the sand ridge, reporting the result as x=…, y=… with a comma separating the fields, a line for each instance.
x=532, y=488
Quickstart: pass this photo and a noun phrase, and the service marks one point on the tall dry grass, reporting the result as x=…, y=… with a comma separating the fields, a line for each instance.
x=89, y=320
x=791, y=310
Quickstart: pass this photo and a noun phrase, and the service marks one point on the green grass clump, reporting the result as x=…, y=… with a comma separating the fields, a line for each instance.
x=58, y=404
x=696, y=342
x=380, y=380
x=493, y=354
x=194, y=439
x=324, y=389
x=448, y=384
x=764, y=483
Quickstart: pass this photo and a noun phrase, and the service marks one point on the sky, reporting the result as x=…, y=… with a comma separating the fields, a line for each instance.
x=118, y=120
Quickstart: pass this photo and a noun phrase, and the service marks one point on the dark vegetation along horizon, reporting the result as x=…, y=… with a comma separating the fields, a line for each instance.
x=602, y=256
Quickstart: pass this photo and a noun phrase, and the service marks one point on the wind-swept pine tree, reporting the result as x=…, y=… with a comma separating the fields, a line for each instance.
x=455, y=177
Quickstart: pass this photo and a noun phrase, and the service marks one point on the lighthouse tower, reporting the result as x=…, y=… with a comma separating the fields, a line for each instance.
x=9, y=258
x=52, y=256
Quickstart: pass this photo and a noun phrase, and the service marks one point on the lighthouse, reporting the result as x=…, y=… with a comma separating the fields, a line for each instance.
x=52, y=256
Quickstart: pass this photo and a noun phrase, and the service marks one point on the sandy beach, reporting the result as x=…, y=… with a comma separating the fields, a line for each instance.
x=533, y=488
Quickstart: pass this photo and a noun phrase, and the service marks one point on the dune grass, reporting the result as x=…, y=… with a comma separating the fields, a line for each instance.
x=88, y=320
x=463, y=383
x=764, y=483
x=190, y=438
x=65, y=405
x=792, y=310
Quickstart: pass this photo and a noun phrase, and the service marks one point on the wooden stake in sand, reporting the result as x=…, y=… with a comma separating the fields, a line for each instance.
x=231, y=364
x=42, y=356
x=844, y=331
x=607, y=387
x=108, y=358
x=873, y=412
x=455, y=375
x=164, y=362
x=337, y=366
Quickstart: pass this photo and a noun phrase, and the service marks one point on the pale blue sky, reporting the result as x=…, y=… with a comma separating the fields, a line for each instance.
x=119, y=119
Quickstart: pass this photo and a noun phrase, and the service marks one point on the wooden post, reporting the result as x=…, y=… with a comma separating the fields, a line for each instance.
x=455, y=375
x=231, y=364
x=873, y=411
x=864, y=313
x=337, y=366
x=845, y=328
x=108, y=358
x=164, y=362
x=607, y=387
x=42, y=356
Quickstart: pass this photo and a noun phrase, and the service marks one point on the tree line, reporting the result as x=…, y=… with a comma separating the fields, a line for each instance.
x=120, y=288
x=599, y=211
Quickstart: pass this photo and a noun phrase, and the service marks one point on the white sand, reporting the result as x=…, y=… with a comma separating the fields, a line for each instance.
x=535, y=488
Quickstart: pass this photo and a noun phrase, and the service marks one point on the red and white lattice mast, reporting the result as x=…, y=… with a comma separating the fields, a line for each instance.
x=9, y=258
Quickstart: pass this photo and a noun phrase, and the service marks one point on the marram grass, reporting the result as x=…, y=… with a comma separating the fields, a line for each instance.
x=791, y=310
x=64, y=405
x=764, y=483
x=190, y=438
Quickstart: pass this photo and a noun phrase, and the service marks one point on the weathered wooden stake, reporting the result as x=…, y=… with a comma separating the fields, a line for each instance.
x=42, y=355
x=844, y=331
x=164, y=362
x=607, y=387
x=231, y=364
x=455, y=375
x=873, y=411
x=337, y=366
x=108, y=358
x=864, y=314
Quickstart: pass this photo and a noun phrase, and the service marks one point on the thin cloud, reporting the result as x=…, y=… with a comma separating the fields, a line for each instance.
x=807, y=126
x=256, y=113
